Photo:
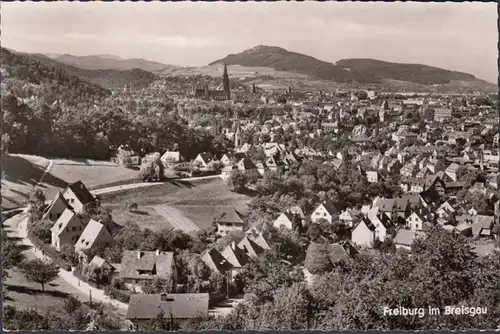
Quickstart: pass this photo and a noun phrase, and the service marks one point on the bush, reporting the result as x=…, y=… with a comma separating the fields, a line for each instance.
x=49, y=251
x=121, y=295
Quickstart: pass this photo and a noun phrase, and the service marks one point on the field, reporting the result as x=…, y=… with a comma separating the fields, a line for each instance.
x=197, y=201
x=23, y=172
x=93, y=174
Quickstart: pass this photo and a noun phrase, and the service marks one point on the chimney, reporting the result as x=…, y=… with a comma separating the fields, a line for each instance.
x=163, y=297
x=157, y=252
x=139, y=254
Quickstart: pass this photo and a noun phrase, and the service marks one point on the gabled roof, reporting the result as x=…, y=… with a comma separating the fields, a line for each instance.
x=246, y=164
x=406, y=237
x=215, y=261
x=367, y=222
x=330, y=207
x=206, y=156
x=68, y=217
x=148, y=260
x=59, y=198
x=260, y=240
x=176, y=305
x=250, y=247
x=99, y=262
x=90, y=234
x=81, y=192
x=235, y=255
x=230, y=216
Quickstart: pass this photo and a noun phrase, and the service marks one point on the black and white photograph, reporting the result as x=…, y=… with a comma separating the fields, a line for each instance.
x=271, y=166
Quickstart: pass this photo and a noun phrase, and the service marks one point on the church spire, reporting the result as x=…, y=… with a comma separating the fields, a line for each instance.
x=225, y=82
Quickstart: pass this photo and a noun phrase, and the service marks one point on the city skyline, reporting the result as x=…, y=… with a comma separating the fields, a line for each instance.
x=195, y=34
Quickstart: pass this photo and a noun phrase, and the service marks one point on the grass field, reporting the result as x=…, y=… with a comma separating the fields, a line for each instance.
x=199, y=201
x=23, y=172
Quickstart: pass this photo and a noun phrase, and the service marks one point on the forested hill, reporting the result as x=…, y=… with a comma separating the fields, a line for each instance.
x=107, y=78
x=26, y=77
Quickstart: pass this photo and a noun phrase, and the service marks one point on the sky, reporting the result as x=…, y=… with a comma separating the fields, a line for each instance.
x=455, y=36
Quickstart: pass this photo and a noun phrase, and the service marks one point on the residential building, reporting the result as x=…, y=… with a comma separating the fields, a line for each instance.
x=94, y=235
x=229, y=221
x=56, y=208
x=66, y=230
x=326, y=210
x=181, y=307
x=140, y=266
x=405, y=238
x=80, y=198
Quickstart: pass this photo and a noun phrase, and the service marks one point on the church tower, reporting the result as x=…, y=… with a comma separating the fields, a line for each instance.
x=225, y=82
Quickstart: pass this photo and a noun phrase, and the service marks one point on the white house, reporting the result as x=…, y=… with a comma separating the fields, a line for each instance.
x=325, y=210
x=66, y=230
x=79, y=197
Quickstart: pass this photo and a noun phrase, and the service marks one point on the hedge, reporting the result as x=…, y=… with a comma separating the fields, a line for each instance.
x=121, y=295
x=49, y=251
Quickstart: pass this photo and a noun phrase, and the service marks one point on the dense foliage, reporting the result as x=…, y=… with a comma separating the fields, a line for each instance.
x=440, y=271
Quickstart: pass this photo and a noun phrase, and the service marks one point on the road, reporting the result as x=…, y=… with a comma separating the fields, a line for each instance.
x=176, y=218
x=108, y=190
x=16, y=227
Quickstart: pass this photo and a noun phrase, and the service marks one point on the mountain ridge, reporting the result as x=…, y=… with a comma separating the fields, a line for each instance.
x=360, y=70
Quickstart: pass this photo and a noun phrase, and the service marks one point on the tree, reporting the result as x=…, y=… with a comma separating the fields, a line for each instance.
x=133, y=207
x=318, y=259
x=162, y=323
x=40, y=271
x=157, y=285
x=237, y=181
x=71, y=304
x=36, y=202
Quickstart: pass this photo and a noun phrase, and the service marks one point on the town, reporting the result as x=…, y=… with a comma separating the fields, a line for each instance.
x=219, y=202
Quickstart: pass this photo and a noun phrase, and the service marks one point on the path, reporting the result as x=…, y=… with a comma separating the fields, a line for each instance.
x=16, y=227
x=176, y=218
x=108, y=190
x=225, y=307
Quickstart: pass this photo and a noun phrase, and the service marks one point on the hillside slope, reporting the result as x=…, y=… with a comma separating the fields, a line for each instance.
x=364, y=71
x=107, y=78
x=28, y=77
x=415, y=73
x=109, y=62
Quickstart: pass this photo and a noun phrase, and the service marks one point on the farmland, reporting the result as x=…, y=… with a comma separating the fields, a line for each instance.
x=199, y=201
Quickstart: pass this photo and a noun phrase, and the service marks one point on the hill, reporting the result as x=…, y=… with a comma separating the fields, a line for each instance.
x=415, y=73
x=360, y=71
x=110, y=62
x=28, y=77
x=107, y=78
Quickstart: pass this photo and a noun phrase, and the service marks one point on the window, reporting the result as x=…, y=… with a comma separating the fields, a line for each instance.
x=317, y=213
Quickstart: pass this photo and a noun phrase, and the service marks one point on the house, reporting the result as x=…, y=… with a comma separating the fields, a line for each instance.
x=372, y=176
x=326, y=210
x=442, y=114
x=363, y=233
x=215, y=261
x=66, y=230
x=229, y=221
x=430, y=198
x=247, y=167
x=274, y=164
x=347, y=217
x=417, y=221
x=80, y=198
x=452, y=170
x=482, y=225
x=338, y=252
x=449, y=208
x=99, y=262
x=126, y=157
x=405, y=238
x=261, y=168
x=140, y=266
x=203, y=159
x=181, y=307
x=259, y=240
x=94, y=235
x=56, y=208
x=171, y=157
x=230, y=158
x=236, y=256
x=251, y=248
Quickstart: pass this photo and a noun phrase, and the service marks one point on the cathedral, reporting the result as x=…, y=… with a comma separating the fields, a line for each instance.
x=223, y=93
